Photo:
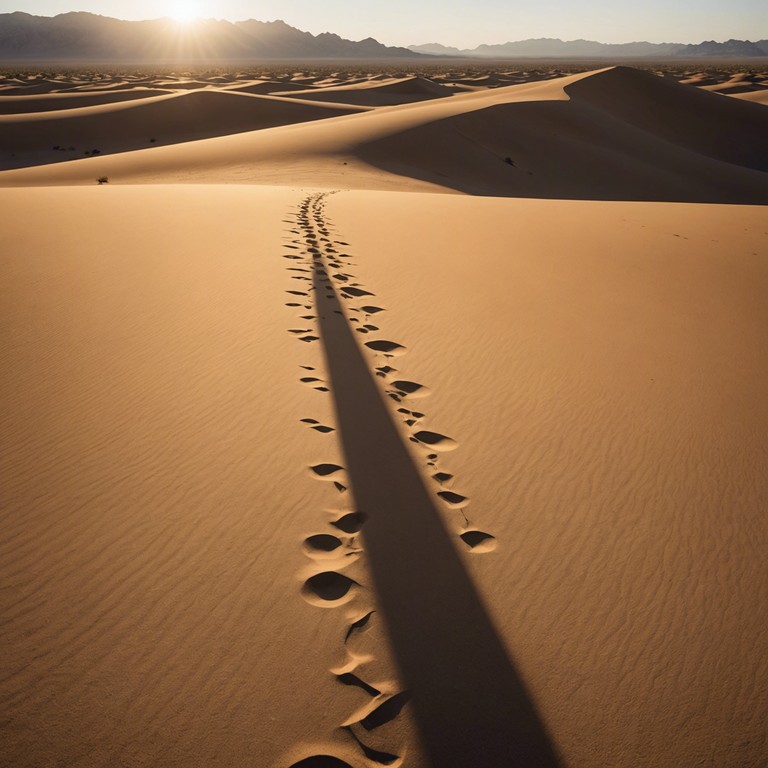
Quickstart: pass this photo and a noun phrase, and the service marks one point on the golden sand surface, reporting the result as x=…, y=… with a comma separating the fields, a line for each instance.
x=384, y=418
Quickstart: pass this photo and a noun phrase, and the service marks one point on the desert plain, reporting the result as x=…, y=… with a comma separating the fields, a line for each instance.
x=357, y=417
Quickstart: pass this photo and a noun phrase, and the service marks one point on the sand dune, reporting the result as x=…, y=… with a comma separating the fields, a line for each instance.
x=376, y=93
x=613, y=134
x=622, y=135
x=741, y=82
x=268, y=87
x=12, y=105
x=312, y=460
x=119, y=126
x=687, y=118
x=756, y=97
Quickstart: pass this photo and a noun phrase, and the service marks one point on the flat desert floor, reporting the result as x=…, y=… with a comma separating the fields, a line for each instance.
x=361, y=419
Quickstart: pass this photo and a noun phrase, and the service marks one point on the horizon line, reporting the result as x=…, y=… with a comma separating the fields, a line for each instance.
x=370, y=37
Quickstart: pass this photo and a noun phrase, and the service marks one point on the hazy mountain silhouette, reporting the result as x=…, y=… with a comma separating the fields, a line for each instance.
x=89, y=37
x=546, y=47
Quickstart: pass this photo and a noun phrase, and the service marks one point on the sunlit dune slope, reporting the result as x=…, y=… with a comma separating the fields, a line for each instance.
x=268, y=86
x=755, y=97
x=12, y=105
x=377, y=93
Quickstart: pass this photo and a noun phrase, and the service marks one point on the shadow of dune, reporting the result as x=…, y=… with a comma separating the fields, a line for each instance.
x=470, y=704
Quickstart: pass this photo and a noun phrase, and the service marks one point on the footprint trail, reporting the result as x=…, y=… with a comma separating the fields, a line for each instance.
x=468, y=701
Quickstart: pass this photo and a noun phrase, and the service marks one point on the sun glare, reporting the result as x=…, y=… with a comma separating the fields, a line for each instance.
x=185, y=11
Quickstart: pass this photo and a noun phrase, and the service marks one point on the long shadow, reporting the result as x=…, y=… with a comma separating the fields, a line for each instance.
x=470, y=704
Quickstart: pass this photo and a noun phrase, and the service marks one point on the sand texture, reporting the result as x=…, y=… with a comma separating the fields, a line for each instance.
x=344, y=432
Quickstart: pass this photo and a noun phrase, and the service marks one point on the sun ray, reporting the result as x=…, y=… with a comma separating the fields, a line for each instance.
x=185, y=11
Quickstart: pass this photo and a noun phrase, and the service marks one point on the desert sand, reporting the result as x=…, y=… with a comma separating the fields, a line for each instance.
x=384, y=418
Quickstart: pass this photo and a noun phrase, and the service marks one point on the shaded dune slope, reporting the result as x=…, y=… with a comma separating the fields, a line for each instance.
x=689, y=118
x=624, y=134
x=28, y=139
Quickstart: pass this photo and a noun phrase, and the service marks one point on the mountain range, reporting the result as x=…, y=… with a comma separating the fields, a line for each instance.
x=551, y=47
x=79, y=36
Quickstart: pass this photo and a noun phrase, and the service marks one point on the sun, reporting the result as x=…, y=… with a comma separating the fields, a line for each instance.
x=185, y=11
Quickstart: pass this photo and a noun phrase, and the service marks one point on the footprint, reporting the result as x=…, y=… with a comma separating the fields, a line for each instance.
x=378, y=714
x=309, y=338
x=410, y=388
x=374, y=755
x=387, y=347
x=323, y=429
x=453, y=500
x=322, y=545
x=326, y=470
x=328, y=587
x=358, y=625
x=347, y=678
x=321, y=761
x=350, y=523
x=371, y=310
x=356, y=292
x=442, y=477
x=478, y=541
x=436, y=441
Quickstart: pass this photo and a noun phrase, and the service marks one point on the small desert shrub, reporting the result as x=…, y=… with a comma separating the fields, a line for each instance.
x=103, y=180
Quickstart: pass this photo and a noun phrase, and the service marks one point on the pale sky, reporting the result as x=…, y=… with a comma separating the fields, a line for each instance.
x=459, y=23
